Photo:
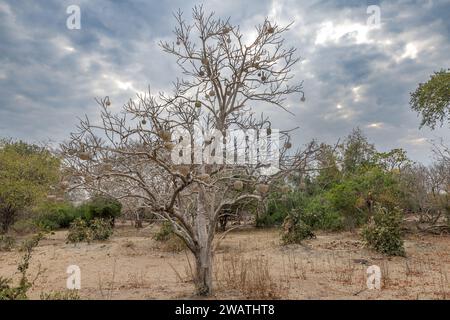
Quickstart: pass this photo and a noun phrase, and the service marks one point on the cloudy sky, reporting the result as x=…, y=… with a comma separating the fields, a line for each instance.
x=354, y=73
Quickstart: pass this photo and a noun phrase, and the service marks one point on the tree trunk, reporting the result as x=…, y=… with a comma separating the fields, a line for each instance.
x=205, y=229
x=203, y=281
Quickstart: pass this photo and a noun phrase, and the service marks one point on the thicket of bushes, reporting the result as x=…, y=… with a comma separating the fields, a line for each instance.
x=86, y=231
x=383, y=232
x=53, y=215
x=352, y=184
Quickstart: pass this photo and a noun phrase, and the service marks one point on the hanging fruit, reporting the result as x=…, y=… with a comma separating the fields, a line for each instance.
x=269, y=131
x=165, y=135
x=169, y=146
x=198, y=104
x=263, y=78
x=303, y=98
x=201, y=73
x=84, y=156
x=238, y=185
x=270, y=29
x=144, y=122
x=107, y=102
x=205, y=61
x=212, y=93
x=288, y=145
x=262, y=188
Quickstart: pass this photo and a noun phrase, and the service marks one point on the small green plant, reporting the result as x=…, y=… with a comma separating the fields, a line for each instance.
x=8, y=292
x=172, y=242
x=165, y=232
x=79, y=231
x=61, y=295
x=53, y=215
x=82, y=231
x=6, y=243
x=383, y=232
x=295, y=230
x=101, y=229
x=102, y=207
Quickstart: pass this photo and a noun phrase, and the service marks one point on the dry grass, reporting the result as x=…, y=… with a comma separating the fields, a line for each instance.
x=251, y=277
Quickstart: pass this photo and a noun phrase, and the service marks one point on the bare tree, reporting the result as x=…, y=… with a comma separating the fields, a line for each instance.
x=133, y=152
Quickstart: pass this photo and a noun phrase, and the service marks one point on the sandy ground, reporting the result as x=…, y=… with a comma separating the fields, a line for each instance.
x=131, y=265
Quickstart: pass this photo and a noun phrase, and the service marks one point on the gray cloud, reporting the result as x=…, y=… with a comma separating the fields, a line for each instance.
x=353, y=75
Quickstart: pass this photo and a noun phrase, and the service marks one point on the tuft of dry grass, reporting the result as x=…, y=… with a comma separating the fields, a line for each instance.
x=250, y=277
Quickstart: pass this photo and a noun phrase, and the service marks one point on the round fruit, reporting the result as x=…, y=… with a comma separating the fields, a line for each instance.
x=144, y=122
x=262, y=188
x=198, y=104
x=238, y=185
x=84, y=156
x=288, y=145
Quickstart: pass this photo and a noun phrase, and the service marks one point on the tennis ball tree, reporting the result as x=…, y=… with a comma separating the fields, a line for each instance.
x=130, y=155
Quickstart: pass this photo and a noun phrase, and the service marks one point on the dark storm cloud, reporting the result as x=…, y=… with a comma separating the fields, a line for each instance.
x=353, y=75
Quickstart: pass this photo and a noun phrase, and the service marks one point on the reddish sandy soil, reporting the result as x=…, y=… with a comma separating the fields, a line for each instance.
x=131, y=265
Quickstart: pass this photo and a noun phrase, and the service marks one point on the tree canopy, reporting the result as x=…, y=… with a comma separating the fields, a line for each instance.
x=26, y=174
x=432, y=99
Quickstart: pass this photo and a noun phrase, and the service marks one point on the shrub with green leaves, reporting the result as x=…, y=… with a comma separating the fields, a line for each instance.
x=79, y=231
x=295, y=230
x=53, y=215
x=102, y=207
x=165, y=232
x=383, y=232
x=86, y=231
x=101, y=229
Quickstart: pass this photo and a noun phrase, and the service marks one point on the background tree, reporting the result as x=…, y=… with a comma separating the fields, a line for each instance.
x=26, y=174
x=432, y=99
x=132, y=151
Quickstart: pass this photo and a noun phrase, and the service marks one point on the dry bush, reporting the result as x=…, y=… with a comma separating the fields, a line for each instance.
x=251, y=277
x=342, y=272
x=298, y=267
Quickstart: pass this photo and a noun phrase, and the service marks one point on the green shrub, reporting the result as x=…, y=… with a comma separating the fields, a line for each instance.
x=383, y=232
x=79, y=231
x=102, y=207
x=295, y=231
x=6, y=243
x=83, y=231
x=25, y=226
x=61, y=295
x=52, y=216
x=101, y=229
x=165, y=232
x=278, y=208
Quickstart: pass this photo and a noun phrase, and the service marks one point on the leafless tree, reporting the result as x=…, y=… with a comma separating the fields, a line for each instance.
x=130, y=155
